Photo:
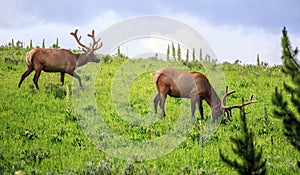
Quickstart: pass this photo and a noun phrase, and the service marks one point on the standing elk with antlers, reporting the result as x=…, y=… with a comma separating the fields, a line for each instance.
x=193, y=85
x=62, y=60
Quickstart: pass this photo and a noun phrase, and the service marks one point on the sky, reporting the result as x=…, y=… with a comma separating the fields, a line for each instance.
x=235, y=29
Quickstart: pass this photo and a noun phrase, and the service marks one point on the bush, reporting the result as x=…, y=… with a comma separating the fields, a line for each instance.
x=57, y=90
x=12, y=60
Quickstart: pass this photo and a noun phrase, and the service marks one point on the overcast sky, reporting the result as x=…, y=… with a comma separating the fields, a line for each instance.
x=235, y=29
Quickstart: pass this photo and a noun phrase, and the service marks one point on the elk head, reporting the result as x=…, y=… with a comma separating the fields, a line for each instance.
x=227, y=109
x=88, y=55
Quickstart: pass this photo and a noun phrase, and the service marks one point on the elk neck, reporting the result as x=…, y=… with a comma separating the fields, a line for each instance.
x=215, y=100
x=81, y=59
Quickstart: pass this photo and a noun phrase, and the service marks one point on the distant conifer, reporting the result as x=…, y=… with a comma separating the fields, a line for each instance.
x=257, y=60
x=173, y=52
x=30, y=45
x=43, y=44
x=119, y=55
x=187, y=57
x=200, y=55
x=56, y=44
x=194, y=56
x=168, y=53
x=178, y=53
x=12, y=43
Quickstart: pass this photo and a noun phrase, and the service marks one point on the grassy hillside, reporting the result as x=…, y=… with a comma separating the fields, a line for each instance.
x=41, y=133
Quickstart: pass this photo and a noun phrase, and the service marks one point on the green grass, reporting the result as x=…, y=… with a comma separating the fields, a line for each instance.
x=40, y=132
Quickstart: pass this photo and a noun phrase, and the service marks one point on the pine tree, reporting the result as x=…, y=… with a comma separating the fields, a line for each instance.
x=251, y=159
x=12, y=43
x=30, y=45
x=187, y=57
x=19, y=44
x=289, y=110
x=207, y=58
x=119, y=55
x=257, y=60
x=193, y=55
x=56, y=44
x=173, y=52
x=43, y=44
x=200, y=55
x=168, y=53
x=178, y=53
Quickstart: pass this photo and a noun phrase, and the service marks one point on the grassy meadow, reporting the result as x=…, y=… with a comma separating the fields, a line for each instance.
x=40, y=132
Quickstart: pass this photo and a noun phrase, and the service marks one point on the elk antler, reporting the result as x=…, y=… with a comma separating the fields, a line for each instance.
x=95, y=45
x=228, y=109
x=78, y=39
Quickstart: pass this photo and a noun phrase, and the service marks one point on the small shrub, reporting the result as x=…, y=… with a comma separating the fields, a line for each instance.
x=69, y=115
x=129, y=169
x=30, y=135
x=56, y=139
x=86, y=77
x=12, y=60
x=266, y=124
x=203, y=171
x=107, y=59
x=186, y=169
x=34, y=157
x=78, y=141
x=104, y=167
x=2, y=163
x=56, y=90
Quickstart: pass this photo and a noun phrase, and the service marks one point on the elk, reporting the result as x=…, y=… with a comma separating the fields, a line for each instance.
x=193, y=85
x=60, y=60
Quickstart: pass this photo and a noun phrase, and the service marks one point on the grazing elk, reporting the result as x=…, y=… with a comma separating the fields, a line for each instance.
x=62, y=60
x=193, y=85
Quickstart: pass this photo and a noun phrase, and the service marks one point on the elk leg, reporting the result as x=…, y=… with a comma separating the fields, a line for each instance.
x=62, y=78
x=24, y=75
x=193, y=105
x=156, y=100
x=162, y=103
x=76, y=76
x=199, y=102
x=36, y=78
x=194, y=99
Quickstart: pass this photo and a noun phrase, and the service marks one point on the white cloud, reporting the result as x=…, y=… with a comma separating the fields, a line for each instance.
x=228, y=42
x=144, y=47
x=239, y=42
x=37, y=32
x=49, y=31
x=105, y=20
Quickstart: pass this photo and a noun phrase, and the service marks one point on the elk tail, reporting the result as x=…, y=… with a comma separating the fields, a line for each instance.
x=155, y=76
x=29, y=56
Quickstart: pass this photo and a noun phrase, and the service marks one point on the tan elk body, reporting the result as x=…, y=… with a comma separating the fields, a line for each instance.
x=60, y=60
x=193, y=85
